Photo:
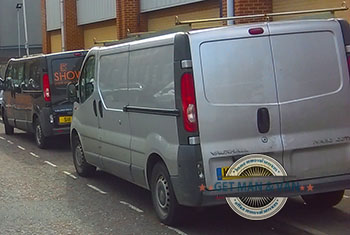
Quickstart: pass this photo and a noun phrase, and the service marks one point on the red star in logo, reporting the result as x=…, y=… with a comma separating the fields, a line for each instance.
x=202, y=187
x=302, y=188
x=310, y=187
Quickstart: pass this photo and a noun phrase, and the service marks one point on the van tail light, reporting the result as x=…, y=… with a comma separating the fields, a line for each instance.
x=46, y=88
x=189, y=103
x=349, y=62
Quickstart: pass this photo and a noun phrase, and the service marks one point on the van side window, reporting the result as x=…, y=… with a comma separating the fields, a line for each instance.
x=14, y=75
x=20, y=75
x=113, y=79
x=87, y=79
x=33, y=74
x=151, y=85
x=9, y=75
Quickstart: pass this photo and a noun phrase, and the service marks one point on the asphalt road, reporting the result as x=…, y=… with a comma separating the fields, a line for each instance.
x=40, y=193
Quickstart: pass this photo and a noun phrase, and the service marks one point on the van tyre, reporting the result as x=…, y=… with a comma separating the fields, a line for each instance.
x=324, y=200
x=82, y=167
x=163, y=197
x=40, y=139
x=9, y=130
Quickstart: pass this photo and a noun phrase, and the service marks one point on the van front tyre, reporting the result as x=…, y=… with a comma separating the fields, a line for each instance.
x=324, y=200
x=163, y=197
x=9, y=130
x=82, y=167
x=40, y=139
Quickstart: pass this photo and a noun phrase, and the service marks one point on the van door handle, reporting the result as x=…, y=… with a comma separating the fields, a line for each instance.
x=95, y=108
x=263, y=119
x=100, y=108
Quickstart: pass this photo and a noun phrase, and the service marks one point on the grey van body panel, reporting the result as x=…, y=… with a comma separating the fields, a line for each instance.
x=312, y=131
x=315, y=124
x=114, y=129
x=87, y=124
x=308, y=135
x=227, y=112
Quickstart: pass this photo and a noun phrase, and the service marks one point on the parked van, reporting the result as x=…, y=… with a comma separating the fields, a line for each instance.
x=172, y=113
x=35, y=98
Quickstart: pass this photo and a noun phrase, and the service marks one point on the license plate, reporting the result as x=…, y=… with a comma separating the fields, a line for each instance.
x=65, y=119
x=222, y=172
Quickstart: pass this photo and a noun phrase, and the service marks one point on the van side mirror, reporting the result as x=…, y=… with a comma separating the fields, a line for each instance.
x=72, y=93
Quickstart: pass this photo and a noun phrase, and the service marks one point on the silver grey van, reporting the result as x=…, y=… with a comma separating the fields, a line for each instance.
x=174, y=113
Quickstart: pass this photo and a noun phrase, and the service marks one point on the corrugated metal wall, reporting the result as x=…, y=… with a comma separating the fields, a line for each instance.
x=53, y=17
x=150, y=5
x=90, y=11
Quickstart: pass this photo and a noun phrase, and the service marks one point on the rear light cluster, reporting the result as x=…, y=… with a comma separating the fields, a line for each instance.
x=46, y=88
x=189, y=103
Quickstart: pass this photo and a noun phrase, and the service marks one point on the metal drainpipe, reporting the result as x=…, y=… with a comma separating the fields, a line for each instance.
x=26, y=43
x=230, y=11
x=62, y=25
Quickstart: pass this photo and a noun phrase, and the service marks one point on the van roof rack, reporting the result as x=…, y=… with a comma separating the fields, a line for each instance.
x=267, y=16
x=144, y=35
x=32, y=55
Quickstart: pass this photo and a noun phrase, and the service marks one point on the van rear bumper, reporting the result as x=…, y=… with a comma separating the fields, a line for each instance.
x=187, y=186
x=49, y=128
x=300, y=187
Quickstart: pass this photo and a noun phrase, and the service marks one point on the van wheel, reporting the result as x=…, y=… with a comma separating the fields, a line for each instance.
x=82, y=167
x=164, y=201
x=40, y=139
x=324, y=200
x=9, y=130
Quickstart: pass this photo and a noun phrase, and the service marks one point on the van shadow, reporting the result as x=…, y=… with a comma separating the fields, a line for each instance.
x=60, y=143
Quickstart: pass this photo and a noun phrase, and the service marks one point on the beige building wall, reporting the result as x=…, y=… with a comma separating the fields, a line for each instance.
x=289, y=5
x=56, y=41
x=102, y=31
x=165, y=19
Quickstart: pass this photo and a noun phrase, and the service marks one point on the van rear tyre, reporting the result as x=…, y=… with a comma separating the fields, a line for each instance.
x=40, y=139
x=163, y=197
x=324, y=200
x=9, y=130
x=82, y=167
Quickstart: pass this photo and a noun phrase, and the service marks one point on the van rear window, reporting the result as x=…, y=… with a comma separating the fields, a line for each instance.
x=65, y=71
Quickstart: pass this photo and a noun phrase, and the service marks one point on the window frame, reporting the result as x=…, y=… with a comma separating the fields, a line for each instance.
x=86, y=64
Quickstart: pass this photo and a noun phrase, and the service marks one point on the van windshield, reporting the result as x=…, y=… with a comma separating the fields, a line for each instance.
x=65, y=71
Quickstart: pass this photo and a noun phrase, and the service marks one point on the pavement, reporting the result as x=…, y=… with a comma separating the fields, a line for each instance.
x=40, y=193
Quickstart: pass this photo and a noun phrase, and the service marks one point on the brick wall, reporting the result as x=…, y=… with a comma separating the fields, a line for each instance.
x=129, y=18
x=165, y=18
x=45, y=34
x=252, y=7
x=74, y=34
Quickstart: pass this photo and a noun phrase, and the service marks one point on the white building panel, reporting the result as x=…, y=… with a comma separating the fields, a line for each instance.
x=151, y=5
x=91, y=11
x=53, y=17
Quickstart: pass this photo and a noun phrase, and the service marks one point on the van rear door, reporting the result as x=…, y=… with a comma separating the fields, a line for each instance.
x=236, y=97
x=63, y=70
x=313, y=89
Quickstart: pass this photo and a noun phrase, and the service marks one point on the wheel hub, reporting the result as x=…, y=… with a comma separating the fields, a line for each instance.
x=162, y=193
x=38, y=134
x=79, y=155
